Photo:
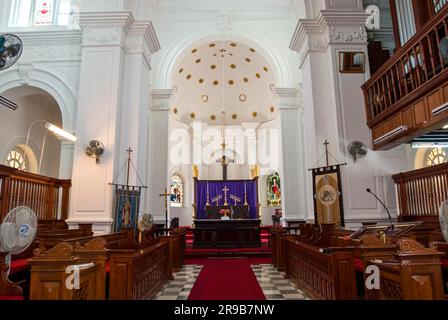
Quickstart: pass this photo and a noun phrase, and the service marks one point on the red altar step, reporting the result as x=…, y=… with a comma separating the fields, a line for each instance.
x=265, y=252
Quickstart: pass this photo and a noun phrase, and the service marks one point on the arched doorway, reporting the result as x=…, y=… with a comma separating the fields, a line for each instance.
x=43, y=152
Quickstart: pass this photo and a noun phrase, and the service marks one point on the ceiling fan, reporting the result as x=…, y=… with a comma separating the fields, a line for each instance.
x=10, y=51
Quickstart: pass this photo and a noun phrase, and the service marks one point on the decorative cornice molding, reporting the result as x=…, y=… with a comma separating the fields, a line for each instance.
x=288, y=98
x=40, y=46
x=107, y=29
x=160, y=99
x=329, y=28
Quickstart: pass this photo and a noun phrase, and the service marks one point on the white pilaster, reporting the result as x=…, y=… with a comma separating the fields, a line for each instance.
x=292, y=169
x=159, y=134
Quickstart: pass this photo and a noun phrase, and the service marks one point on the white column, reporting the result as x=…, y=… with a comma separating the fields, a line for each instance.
x=335, y=111
x=134, y=117
x=112, y=108
x=292, y=169
x=159, y=134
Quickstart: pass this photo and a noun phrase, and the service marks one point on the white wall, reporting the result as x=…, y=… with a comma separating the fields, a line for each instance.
x=33, y=105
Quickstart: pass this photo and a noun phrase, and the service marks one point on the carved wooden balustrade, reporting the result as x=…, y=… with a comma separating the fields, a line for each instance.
x=46, y=196
x=421, y=192
x=402, y=98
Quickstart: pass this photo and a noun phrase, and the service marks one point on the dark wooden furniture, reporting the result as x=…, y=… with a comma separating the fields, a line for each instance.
x=37, y=192
x=8, y=289
x=401, y=96
x=414, y=274
x=49, y=277
x=239, y=212
x=227, y=233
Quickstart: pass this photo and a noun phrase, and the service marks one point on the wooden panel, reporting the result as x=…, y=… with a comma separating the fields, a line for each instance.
x=420, y=111
x=434, y=100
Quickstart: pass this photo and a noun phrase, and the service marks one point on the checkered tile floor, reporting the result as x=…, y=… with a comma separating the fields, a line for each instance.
x=273, y=283
x=180, y=287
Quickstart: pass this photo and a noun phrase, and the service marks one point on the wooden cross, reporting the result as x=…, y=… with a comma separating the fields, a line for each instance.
x=226, y=190
x=326, y=144
x=166, y=195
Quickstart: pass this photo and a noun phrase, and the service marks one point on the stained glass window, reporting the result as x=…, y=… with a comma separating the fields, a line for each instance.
x=38, y=13
x=17, y=159
x=436, y=156
x=274, y=190
x=177, y=191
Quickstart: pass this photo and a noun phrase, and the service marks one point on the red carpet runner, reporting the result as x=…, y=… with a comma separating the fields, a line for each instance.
x=227, y=279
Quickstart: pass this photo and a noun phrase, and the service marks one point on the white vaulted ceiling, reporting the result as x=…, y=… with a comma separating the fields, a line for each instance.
x=223, y=75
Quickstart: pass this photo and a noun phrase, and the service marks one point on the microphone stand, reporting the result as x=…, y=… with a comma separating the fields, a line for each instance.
x=385, y=207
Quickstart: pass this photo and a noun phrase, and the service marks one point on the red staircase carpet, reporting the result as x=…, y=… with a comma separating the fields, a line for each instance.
x=227, y=279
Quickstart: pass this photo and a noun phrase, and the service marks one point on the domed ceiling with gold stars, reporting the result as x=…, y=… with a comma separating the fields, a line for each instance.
x=223, y=75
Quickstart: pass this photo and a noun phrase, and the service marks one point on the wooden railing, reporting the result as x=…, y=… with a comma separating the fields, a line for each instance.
x=412, y=71
x=421, y=192
x=42, y=194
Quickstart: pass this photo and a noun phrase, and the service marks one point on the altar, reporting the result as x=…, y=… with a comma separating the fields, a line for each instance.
x=226, y=214
x=227, y=233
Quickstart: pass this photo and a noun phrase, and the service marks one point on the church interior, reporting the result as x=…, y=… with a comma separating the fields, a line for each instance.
x=217, y=150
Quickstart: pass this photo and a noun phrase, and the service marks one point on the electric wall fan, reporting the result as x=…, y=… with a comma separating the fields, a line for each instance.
x=10, y=51
x=17, y=232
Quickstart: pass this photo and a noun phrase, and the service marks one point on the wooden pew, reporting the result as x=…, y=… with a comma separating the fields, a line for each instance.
x=177, y=244
x=322, y=265
x=414, y=274
x=49, y=239
x=278, y=237
x=49, y=276
x=137, y=271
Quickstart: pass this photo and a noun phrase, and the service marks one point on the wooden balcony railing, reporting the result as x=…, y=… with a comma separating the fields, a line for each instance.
x=421, y=192
x=46, y=196
x=411, y=71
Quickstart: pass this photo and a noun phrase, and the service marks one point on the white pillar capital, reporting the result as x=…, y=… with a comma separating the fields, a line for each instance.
x=331, y=27
x=160, y=99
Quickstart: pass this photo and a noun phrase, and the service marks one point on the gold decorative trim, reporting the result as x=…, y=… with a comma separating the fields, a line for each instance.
x=231, y=82
x=216, y=82
x=201, y=81
x=175, y=111
x=213, y=117
x=246, y=80
x=212, y=45
x=181, y=70
x=204, y=98
x=258, y=75
x=252, y=50
x=243, y=97
x=234, y=116
x=189, y=77
x=193, y=115
x=194, y=50
x=233, y=45
x=213, y=67
x=266, y=69
x=198, y=61
x=233, y=66
x=254, y=114
x=272, y=109
x=248, y=60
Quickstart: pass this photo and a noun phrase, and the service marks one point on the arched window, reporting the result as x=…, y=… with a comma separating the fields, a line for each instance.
x=274, y=190
x=37, y=13
x=16, y=159
x=177, y=191
x=436, y=156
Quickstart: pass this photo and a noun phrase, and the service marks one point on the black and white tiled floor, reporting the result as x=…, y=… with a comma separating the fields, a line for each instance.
x=272, y=282
x=180, y=287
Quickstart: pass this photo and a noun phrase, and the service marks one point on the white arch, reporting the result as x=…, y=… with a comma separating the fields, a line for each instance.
x=271, y=51
x=55, y=85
